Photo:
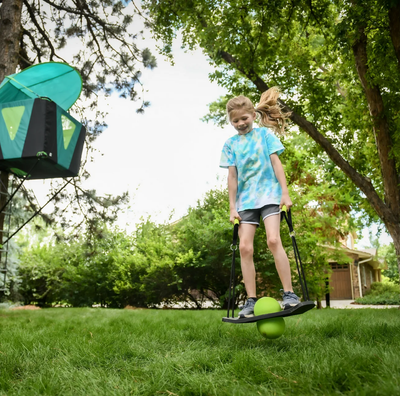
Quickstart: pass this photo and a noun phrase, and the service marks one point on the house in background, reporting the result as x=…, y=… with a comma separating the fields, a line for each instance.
x=352, y=280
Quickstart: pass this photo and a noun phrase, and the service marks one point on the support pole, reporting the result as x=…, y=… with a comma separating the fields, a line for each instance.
x=232, y=278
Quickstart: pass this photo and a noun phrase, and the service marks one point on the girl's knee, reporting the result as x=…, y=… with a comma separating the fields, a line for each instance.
x=274, y=243
x=246, y=249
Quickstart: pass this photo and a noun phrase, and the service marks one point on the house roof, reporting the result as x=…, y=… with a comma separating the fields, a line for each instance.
x=363, y=256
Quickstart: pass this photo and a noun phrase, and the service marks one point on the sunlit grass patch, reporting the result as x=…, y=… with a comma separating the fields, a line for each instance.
x=150, y=352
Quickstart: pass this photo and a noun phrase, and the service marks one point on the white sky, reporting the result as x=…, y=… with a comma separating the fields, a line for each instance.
x=166, y=158
x=167, y=153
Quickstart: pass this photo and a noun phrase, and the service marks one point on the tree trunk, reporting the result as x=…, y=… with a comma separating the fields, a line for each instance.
x=10, y=32
x=380, y=126
x=382, y=132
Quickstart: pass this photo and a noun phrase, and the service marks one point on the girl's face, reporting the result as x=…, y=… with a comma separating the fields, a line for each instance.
x=242, y=120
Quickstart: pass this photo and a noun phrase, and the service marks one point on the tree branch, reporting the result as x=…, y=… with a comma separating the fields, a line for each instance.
x=35, y=46
x=380, y=125
x=41, y=30
x=86, y=13
x=76, y=11
x=140, y=13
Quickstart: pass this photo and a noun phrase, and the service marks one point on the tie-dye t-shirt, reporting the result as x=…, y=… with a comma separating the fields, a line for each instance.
x=250, y=153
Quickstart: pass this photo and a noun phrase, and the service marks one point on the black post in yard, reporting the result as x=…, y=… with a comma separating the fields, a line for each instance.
x=232, y=277
x=327, y=295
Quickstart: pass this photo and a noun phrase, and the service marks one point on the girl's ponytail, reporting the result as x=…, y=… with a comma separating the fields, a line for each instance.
x=270, y=111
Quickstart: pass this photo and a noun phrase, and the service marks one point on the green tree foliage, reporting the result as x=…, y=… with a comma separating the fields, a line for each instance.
x=75, y=273
x=321, y=211
x=145, y=274
x=100, y=40
x=321, y=216
x=204, y=239
x=112, y=270
x=386, y=253
x=381, y=293
x=389, y=254
x=338, y=66
x=188, y=261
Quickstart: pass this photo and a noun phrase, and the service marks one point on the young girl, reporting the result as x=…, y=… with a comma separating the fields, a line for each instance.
x=257, y=187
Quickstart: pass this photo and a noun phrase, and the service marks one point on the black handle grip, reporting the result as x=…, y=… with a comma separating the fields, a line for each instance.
x=235, y=232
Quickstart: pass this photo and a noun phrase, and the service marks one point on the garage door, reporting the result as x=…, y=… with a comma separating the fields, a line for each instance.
x=340, y=282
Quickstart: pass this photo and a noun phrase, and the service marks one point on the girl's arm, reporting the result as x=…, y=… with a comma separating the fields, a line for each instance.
x=280, y=175
x=232, y=190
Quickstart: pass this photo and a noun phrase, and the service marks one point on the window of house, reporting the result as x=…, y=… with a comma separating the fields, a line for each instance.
x=339, y=266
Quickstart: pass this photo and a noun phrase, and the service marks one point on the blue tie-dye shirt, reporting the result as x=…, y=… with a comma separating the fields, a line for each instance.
x=250, y=153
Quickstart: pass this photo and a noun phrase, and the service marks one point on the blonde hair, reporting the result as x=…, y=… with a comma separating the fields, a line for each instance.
x=270, y=111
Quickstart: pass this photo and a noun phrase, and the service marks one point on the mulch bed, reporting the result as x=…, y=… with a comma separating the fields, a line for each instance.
x=32, y=307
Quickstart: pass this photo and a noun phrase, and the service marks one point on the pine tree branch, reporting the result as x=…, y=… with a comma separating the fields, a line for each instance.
x=79, y=11
x=43, y=33
x=33, y=41
x=141, y=14
x=82, y=10
x=99, y=49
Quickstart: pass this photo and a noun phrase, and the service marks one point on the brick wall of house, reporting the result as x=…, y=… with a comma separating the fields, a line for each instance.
x=356, y=282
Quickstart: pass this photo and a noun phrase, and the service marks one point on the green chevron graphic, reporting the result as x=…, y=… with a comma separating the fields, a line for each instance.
x=68, y=128
x=12, y=117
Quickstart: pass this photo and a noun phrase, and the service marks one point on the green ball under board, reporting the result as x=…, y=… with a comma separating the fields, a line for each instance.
x=269, y=328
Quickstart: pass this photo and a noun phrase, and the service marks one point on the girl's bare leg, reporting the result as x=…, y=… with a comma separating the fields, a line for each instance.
x=246, y=236
x=272, y=229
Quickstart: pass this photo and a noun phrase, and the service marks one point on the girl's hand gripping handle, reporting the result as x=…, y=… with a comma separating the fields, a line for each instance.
x=235, y=232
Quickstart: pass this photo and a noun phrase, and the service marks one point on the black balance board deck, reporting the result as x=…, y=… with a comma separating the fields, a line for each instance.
x=297, y=310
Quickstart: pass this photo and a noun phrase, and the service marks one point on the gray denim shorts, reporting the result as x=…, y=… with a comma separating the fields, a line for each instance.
x=252, y=216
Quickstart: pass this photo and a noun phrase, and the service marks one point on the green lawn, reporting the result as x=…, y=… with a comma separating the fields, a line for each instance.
x=86, y=351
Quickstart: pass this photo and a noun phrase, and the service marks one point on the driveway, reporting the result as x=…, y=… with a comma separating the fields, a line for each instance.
x=348, y=304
